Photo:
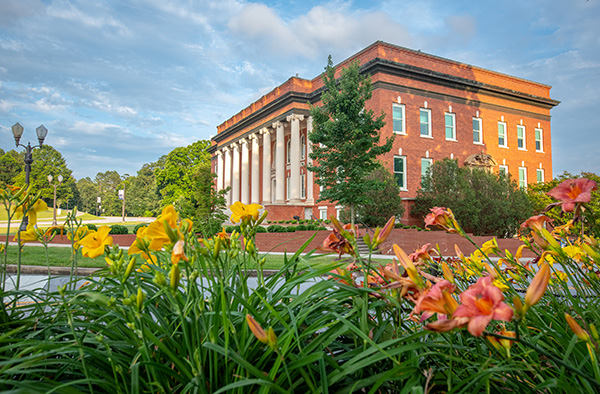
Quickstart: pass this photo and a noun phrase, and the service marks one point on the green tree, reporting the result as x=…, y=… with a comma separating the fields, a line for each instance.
x=108, y=184
x=10, y=166
x=591, y=215
x=484, y=203
x=205, y=205
x=141, y=196
x=49, y=161
x=385, y=200
x=88, y=195
x=174, y=172
x=346, y=138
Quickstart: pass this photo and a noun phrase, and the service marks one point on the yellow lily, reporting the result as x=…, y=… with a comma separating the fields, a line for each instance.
x=93, y=244
x=31, y=235
x=240, y=211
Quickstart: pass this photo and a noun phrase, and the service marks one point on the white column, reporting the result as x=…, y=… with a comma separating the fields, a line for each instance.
x=220, y=171
x=280, y=164
x=295, y=157
x=245, y=170
x=266, y=177
x=310, y=199
x=227, y=174
x=255, y=170
x=235, y=177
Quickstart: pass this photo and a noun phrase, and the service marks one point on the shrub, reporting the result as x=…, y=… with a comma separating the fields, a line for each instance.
x=118, y=229
x=230, y=229
x=138, y=226
x=290, y=229
x=91, y=227
x=484, y=203
x=261, y=229
x=275, y=228
x=301, y=227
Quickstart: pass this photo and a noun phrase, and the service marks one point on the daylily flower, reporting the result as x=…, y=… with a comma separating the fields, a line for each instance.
x=408, y=265
x=38, y=206
x=32, y=234
x=421, y=254
x=573, y=191
x=93, y=244
x=437, y=299
x=536, y=223
x=444, y=218
x=178, y=253
x=240, y=211
x=164, y=229
x=482, y=303
x=335, y=242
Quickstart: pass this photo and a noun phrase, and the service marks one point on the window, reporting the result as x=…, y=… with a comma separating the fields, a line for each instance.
x=539, y=145
x=287, y=188
x=523, y=177
x=303, y=147
x=425, y=165
x=521, y=137
x=425, y=119
x=303, y=186
x=450, y=120
x=540, y=175
x=398, y=117
x=323, y=213
x=503, y=170
x=289, y=151
x=502, y=134
x=477, y=131
x=400, y=171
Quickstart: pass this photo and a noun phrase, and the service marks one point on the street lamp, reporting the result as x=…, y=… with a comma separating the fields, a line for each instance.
x=60, y=179
x=41, y=132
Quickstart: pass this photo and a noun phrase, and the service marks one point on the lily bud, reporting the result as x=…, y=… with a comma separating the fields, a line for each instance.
x=130, y=268
x=256, y=329
x=140, y=299
x=447, y=273
x=271, y=338
x=174, y=277
x=537, y=287
x=577, y=330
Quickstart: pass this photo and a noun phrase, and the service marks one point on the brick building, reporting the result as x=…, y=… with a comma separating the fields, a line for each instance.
x=436, y=108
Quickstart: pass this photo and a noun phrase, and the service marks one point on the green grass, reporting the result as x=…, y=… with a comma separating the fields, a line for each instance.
x=60, y=257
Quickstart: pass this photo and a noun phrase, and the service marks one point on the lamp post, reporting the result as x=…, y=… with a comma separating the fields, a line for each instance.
x=41, y=132
x=60, y=179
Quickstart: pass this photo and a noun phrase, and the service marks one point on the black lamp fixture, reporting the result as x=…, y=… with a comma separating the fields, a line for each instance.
x=41, y=132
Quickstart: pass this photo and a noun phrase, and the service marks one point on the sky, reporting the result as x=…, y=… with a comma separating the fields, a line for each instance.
x=119, y=83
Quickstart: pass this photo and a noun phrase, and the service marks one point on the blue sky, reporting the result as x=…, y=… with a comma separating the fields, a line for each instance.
x=119, y=83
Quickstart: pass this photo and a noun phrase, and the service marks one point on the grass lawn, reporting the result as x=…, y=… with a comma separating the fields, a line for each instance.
x=60, y=257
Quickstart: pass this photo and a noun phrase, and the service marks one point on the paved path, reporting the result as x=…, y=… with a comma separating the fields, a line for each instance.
x=100, y=220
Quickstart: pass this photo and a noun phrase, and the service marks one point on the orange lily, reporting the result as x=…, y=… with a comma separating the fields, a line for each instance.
x=537, y=287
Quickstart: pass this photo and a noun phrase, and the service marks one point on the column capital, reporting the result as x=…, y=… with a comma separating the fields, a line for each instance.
x=225, y=149
x=243, y=141
x=218, y=152
x=264, y=131
x=253, y=136
x=294, y=117
x=277, y=124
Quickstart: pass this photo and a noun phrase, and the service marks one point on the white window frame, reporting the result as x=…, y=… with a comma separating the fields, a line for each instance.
x=288, y=153
x=302, y=186
x=504, y=168
x=453, y=126
x=539, y=171
x=403, y=172
x=523, y=139
x=523, y=182
x=541, y=139
x=287, y=187
x=428, y=160
x=479, y=132
x=323, y=213
x=505, y=137
x=402, y=109
x=338, y=211
x=302, y=147
x=428, y=112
